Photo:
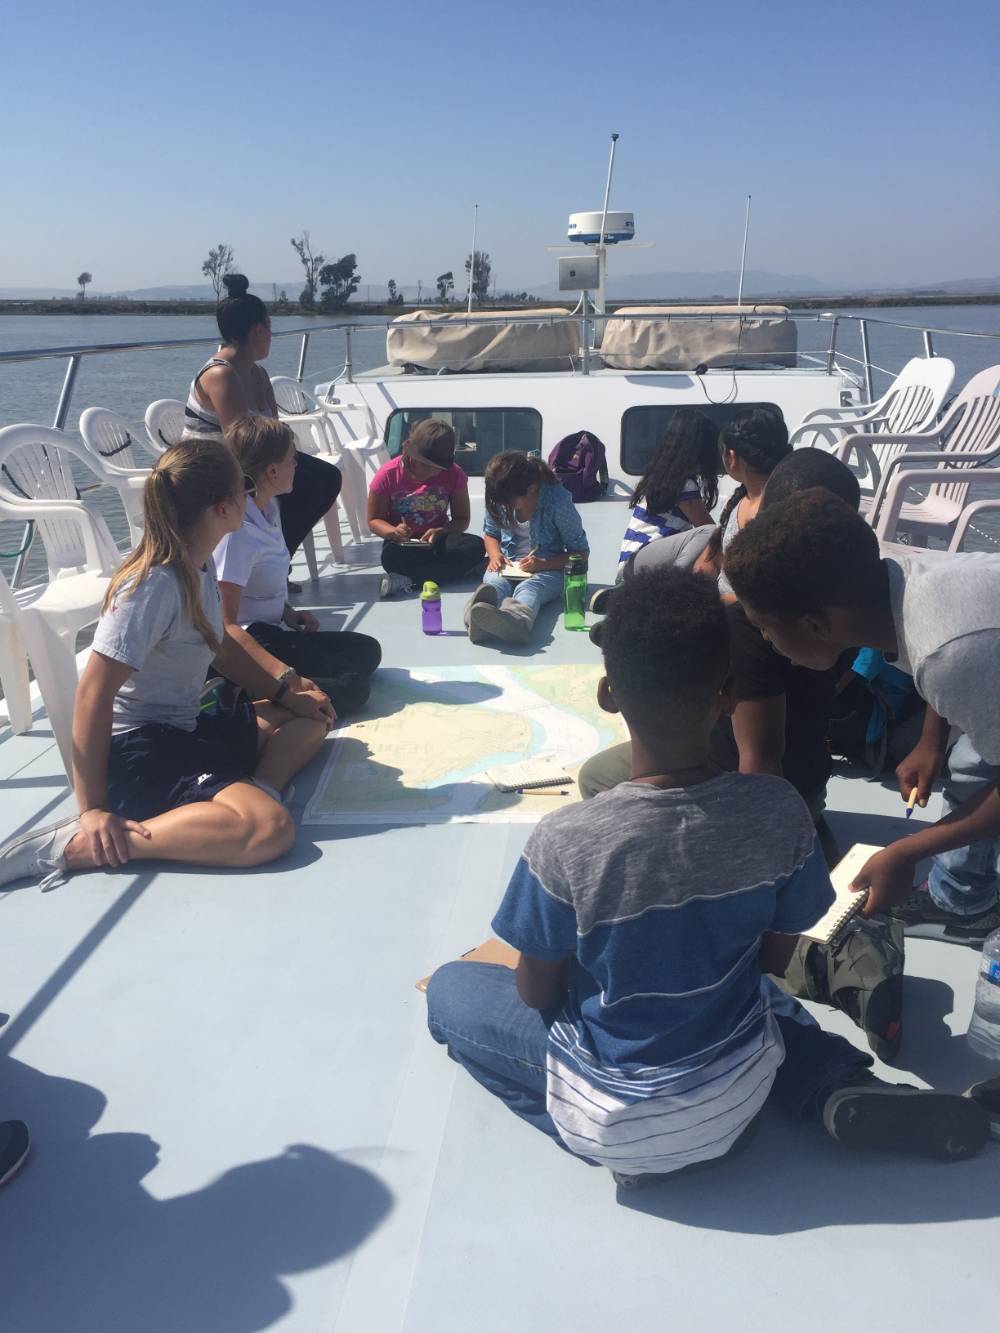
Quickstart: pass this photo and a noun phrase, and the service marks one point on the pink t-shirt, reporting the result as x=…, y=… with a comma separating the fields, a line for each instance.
x=421, y=505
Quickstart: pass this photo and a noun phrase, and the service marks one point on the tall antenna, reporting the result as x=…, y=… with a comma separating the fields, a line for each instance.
x=472, y=266
x=743, y=261
x=607, y=188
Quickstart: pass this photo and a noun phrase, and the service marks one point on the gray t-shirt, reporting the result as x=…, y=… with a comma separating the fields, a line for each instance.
x=149, y=630
x=946, y=610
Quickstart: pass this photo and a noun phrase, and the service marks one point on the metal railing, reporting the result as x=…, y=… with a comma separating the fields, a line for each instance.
x=832, y=357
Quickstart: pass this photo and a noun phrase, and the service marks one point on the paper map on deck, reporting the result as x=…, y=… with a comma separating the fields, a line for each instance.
x=419, y=752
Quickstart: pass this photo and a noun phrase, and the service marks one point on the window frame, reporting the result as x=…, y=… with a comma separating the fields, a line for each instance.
x=397, y=411
x=732, y=410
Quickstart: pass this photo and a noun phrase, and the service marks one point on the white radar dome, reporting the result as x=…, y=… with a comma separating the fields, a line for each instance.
x=586, y=227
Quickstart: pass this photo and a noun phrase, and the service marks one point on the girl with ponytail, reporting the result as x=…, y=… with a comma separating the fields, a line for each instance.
x=156, y=775
x=232, y=385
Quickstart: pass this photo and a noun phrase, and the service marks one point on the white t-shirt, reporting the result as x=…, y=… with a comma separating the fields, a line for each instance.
x=946, y=610
x=521, y=532
x=149, y=630
x=256, y=559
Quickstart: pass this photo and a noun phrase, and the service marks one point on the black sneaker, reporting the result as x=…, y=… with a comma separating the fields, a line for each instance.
x=987, y=1095
x=923, y=920
x=348, y=692
x=917, y=1123
x=861, y=974
x=15, y=1143
x=600, y=601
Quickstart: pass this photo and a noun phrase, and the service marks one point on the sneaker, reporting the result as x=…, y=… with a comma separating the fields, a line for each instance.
x=15, y=1143
x=392, y=584
x=347, y=692
x=600, y=601
x=39, y=854
x=861, y=974
x=987, y=1095
x=923, y=920
x=877, y=1115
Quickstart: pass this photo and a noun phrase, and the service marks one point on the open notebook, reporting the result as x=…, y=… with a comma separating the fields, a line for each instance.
x=846, y=905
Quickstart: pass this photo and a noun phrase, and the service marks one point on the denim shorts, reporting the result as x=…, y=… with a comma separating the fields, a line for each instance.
x=156, y=767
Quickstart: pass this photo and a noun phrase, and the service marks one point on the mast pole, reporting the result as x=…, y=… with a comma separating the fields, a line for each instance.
x=601, y=252
x=743, y=260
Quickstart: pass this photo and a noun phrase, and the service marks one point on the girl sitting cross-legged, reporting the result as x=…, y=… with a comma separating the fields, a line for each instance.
x=530, y=519
x=157, y=777
x=252, y=568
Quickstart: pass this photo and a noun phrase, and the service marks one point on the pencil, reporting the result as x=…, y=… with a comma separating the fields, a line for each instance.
x=535, y=791
x=911, y=802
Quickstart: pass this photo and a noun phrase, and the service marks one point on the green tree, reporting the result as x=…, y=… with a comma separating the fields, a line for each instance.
x=311, y=265
x=480, y=276
x=82, y=281
x=216, y=266
x=445, y=284
x=340, y=281
x=395, y=295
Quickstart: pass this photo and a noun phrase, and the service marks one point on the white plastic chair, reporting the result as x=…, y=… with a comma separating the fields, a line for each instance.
x=940, y=512
x=13, y=663
x=314, y=434
x=107, y=436
x=36, y=483
x=911, y=403
x=164, y=423
x=968, y=437
x=970, y=514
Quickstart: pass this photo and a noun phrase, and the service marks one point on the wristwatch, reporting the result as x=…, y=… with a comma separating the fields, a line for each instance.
x=282, y=689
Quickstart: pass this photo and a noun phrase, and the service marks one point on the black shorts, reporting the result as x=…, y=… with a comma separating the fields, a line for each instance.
x=157, y=767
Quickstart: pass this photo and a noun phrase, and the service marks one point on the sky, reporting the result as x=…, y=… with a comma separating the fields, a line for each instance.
x=140, y=135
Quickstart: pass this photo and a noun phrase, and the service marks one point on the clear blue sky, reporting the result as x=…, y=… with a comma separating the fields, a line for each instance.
x=139, y=135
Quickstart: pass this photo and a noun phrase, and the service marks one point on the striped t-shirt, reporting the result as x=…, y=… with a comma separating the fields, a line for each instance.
x=644, y=527
x=665, y=1049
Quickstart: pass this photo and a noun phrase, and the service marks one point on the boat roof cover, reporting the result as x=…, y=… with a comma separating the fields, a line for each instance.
x=744, y=336
x=453, y=342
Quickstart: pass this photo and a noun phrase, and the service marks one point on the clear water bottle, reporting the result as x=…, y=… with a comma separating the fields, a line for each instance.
x=430, y=608
x=984, y=1030
x=575, y=593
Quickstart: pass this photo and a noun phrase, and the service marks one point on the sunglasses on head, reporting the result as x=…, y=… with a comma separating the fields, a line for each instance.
x=249, y=485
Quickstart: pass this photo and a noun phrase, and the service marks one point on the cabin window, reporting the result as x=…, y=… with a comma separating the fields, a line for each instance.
x=479, y=432
x=644, y=427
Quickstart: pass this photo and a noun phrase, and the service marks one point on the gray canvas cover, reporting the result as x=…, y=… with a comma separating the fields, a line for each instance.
x=745, y=336
x=461, y=342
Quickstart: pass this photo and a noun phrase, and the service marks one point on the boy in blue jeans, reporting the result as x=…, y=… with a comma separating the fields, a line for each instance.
x=638, y=1028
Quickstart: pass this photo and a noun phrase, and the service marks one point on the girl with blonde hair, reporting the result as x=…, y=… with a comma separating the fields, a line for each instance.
x=156, y=775
x=252, y=568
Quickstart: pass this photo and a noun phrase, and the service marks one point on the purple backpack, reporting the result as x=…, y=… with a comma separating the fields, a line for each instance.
x=580, y=462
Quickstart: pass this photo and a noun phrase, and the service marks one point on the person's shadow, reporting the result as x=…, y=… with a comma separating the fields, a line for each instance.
x=84, y=1246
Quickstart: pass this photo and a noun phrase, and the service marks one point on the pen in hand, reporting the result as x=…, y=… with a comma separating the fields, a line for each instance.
x=912, y=801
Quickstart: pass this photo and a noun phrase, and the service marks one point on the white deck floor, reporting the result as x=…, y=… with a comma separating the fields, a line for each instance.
x=240, y=1122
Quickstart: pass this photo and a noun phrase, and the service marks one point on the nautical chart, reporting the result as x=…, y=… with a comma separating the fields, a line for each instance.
x=419, y=752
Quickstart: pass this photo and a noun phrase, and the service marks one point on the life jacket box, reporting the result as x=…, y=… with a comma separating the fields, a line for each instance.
x=740, y=337
x=450, y=342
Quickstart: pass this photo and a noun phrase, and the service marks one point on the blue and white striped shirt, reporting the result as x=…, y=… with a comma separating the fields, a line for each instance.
x=644, y=527
x=665, y=1049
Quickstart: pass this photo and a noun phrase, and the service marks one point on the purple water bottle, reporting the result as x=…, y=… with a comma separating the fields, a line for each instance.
x=430, y=608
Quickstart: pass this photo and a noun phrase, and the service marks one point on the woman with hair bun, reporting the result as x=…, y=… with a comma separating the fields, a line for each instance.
x=232, y=385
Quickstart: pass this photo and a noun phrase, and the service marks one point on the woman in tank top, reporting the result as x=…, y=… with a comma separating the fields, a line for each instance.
x=232, y=385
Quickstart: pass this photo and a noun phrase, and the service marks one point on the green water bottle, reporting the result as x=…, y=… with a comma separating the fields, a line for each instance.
x=575, y=593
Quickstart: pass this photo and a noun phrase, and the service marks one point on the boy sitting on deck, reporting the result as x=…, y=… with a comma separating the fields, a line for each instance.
x=638, y=1028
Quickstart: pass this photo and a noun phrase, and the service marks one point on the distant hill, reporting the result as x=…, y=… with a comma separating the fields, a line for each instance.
x=201, y=292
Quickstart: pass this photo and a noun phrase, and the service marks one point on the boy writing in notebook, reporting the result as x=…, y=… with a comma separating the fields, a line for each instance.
x=638, y=1028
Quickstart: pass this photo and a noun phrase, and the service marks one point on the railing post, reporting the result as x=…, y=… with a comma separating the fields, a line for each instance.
x=348, y=363
x=928, y=344
x=62, y=411
x=832, y=350
x=863, y=328
x=303, y=349
x=585, y=335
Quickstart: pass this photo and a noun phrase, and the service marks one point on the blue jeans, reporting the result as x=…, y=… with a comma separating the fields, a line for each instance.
x=533, y=592
x=475, y=1011
x=965, y=880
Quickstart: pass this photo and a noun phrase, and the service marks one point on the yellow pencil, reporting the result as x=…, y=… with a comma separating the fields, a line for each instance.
x=911, y=802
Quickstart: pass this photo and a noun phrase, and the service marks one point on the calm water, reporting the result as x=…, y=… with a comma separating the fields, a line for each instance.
x=128, y=382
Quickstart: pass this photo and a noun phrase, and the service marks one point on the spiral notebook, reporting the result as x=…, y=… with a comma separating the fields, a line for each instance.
x=846, y=905
x=530, y=775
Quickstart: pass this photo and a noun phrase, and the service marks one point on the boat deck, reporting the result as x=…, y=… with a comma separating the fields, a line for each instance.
x=240, y=1122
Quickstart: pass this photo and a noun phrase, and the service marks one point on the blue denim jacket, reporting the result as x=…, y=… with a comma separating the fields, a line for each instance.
x=554, y=527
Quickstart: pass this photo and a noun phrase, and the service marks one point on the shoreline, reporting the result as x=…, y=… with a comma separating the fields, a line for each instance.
x=868, y=301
